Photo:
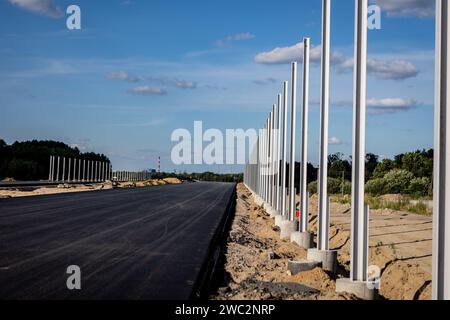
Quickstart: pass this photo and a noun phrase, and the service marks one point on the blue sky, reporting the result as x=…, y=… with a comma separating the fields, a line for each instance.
x=138, y=69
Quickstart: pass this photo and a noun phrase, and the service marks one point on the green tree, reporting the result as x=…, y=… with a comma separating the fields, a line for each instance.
x=397, y=181
x=383, y=167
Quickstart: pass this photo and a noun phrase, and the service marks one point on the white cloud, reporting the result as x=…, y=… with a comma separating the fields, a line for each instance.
x=407, y=8
x=282, y=55
x=392, y=70
x=184, y=84
x=44, y=7
x=335, y=141
x=122, y=75
x=264, y=82
x=396, y=69
x=233, y=38
x=390, y=105
x=146, y=90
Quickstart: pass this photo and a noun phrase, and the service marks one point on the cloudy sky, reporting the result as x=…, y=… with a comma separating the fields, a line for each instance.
x=140, y=69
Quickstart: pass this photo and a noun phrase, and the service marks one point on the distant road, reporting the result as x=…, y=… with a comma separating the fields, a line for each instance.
x=140, y=243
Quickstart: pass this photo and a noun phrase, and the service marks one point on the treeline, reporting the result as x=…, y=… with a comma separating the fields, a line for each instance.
x=29, y=160
x=204, y=176
x=409, y=173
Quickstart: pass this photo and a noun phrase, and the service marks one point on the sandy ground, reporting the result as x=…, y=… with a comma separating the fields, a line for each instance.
x=400, y=244
x=150, y=182
x=38, y=191
x=256, y=259
x=63, y=188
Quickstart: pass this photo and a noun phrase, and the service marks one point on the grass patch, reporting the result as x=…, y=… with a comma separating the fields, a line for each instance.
x=377, y=202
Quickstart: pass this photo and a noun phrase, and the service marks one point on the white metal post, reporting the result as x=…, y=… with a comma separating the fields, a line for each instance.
x=324, y=224
x=53, y=168
x=284, y=169
x=303, y=225
x=57, y=170
x=358, y=270
x=272, y=152
x=265, y=161
x=64, y=170
x=50, y=170
x=292, y=203
x=74, y=169
x=68, y=173
x=278, y=154
x=441, y=190
x=260, y=162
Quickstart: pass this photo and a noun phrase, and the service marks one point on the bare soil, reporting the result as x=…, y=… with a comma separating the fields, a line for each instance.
x=63, y=188
x=256, y=259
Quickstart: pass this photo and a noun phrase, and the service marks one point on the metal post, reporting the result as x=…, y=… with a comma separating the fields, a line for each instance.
x=278, y=158
x=441, y=196
x=271, y=151
x=50, y=170
x=68, y=173
x=264, y=161
x=260, y=162
x=53, y=168
x=74, y=169
x=284, y=169
x=303, y=225
x=358, y=271
x=292, y=203
x=84, y=170
x=64, y=170
x=57, y=170
x=324, y=224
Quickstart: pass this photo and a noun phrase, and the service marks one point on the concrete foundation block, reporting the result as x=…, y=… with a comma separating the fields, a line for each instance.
x=328, y=258
x=278, y=219
x=303, y=239
x=358, y=288
x=270, y=211
x=258, y=200
x=287, y=228
x=296, y=267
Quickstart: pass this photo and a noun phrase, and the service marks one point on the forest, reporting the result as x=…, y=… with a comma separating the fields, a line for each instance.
x=29, y=160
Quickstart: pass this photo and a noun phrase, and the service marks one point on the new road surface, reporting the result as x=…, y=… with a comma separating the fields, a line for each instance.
x=140, y=243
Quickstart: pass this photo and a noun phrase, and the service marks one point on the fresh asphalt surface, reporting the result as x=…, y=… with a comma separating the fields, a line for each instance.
x=140, y=243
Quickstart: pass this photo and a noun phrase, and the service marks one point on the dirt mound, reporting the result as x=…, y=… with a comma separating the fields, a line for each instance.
x=172, y=180
x=316, y=278
x=405, y=281
x=255, y=262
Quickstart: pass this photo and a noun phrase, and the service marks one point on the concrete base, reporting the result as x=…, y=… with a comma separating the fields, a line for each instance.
x=358, y=288
x=303, y=239
x=287, y=228
x=258, y=200
x=296, y=267
x=328, y=258
x=270, y=211
x=278, y=219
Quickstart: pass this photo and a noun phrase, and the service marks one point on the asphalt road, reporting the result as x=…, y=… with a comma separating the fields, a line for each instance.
x=140, y=243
